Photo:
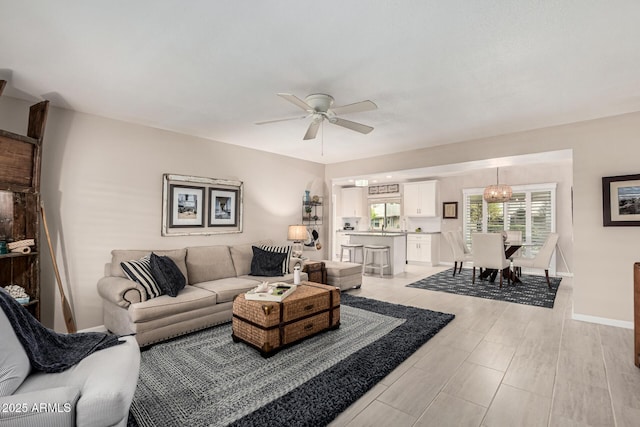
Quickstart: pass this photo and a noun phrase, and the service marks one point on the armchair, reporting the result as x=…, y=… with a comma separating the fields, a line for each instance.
x=97, y=391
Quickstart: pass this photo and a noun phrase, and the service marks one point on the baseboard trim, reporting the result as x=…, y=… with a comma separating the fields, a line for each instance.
x=602, y=321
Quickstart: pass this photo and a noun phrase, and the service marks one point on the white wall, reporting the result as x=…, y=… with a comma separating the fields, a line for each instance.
x=102, y=189
x=603, y=256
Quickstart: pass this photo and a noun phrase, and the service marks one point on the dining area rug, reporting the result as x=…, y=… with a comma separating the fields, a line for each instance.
x=531, y=290
x=205, y=379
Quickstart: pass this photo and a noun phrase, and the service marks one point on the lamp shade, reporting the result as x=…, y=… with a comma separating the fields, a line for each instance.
x=297, y=233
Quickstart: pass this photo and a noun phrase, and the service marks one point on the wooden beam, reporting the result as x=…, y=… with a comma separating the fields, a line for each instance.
x=37, y=119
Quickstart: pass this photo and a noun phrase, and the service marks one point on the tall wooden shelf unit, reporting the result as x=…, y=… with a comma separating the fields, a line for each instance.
x=20, y=161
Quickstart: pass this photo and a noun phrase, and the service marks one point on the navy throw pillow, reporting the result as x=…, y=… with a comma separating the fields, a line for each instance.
x=167, y=274
x=266, y=263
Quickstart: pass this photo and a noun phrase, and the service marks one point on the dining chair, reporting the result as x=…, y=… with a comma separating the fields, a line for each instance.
x=542, y=259
x=514, y=236
x=488, y=252
x=459, y=256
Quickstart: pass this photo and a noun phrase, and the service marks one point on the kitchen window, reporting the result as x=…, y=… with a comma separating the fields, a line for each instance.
x=384, y=212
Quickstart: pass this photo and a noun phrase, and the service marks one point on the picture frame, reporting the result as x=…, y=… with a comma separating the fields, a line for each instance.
x=189, y=205
x=621, y=200
x=223, y=207
x=393, y=188
x=186, y=206
x=450, y=210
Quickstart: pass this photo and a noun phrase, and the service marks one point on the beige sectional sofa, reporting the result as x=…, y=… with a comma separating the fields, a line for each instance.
x=215, y=275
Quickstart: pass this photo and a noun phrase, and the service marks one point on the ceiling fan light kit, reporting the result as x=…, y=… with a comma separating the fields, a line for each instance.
x=318, y=107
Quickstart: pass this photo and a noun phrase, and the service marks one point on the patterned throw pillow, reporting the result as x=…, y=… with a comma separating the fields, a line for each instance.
x=286, y=249
x=266, y=263
x=140, y=271
x=167, y=275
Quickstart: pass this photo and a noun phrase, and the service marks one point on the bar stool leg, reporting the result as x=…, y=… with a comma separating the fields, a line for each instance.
x=365, y=253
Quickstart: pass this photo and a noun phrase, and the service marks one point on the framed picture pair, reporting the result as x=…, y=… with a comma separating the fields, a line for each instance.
x=198, y=205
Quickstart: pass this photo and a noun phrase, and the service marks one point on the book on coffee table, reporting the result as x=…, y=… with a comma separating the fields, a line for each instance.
x=277, y=292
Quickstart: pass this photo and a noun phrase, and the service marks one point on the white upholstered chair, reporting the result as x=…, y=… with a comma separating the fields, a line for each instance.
x=459, y=255
x=488, y=252
x=542, y=259
x=514, y=236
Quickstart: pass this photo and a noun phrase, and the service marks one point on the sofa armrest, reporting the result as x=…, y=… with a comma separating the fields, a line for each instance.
x=52, y=407
x=121, y=291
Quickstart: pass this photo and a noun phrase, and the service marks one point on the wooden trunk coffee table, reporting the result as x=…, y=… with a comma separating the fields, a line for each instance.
x=270, y=326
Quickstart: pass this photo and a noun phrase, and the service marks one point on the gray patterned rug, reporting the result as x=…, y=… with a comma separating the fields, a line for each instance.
x=204, y=379
x=532, y=291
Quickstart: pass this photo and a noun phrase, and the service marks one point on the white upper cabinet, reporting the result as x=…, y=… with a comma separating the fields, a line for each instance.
x=420, y=199
x=352, y=202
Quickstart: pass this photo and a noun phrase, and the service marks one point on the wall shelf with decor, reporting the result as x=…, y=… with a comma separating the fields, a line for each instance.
x=312, y=210
x=20, y=161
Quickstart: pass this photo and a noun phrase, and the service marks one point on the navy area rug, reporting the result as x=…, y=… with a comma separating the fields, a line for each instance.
x=205, y=379
x=532, y=291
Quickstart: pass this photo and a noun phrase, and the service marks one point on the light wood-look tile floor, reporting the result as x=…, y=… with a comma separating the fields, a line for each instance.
x=502, y=364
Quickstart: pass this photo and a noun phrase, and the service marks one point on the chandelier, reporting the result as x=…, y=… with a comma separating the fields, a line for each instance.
x=498, y=192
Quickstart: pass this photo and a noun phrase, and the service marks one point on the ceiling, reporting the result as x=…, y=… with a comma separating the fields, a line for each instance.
x=439, y=71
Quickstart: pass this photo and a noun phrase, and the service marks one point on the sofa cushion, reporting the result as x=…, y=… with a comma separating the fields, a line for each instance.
x=266, y=263
x=140, y=272
x=207, y=263
x=227, y=289
x=242, y=256
x=190, y=298
x=167, y=274
x=118, y=255
x=14, y=362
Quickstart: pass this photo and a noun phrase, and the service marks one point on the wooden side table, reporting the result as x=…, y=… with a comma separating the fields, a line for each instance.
x=315, y=270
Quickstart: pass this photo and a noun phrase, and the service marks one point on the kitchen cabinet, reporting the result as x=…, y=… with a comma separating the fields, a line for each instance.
x=420, y=199
x=20, y=161
x=423, y=249
x=352, y=202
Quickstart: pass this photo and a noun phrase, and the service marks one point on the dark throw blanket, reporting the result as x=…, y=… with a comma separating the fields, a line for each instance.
x=50, y=351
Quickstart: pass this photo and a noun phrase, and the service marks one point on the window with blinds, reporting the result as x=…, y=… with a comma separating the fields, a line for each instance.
x=531, y=210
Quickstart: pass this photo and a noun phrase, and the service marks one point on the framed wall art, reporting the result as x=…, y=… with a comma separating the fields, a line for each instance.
x=223, y=209
x=621, y=200
x=186, y=206
x=193, y=205
x=450, y=210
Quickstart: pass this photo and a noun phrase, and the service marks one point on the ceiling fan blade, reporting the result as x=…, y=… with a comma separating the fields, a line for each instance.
x=358, y=127
x=355, y=107
x=296, y=101
x=281, y=120
x=312, y=131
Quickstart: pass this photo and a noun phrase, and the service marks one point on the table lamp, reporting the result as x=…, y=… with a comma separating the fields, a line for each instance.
x=297, y=233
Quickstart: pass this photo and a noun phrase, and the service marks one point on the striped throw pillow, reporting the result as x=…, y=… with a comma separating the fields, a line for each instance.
x=140, y=271
x=286, y=249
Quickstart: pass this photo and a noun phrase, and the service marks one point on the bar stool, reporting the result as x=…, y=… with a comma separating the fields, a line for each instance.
x=352, y=249
x=384, y=255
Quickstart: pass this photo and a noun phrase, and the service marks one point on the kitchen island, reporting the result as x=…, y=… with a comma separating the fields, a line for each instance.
x=397, y=243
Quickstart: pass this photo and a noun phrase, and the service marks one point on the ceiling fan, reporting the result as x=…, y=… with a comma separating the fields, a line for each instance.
x=318, y=107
